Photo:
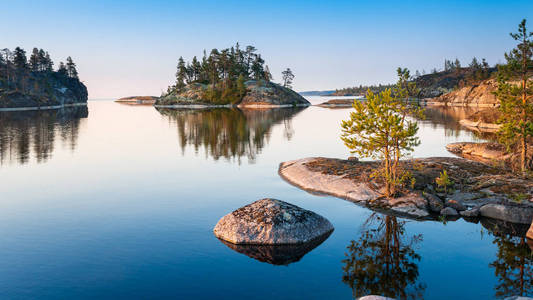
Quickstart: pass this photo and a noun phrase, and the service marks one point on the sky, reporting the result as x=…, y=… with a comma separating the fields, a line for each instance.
x=125, y=48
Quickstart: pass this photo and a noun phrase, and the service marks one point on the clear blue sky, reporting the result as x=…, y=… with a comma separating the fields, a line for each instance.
x=131, y=47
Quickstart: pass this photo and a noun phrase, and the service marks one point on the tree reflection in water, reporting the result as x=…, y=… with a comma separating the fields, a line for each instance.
x=513, y=266
x=27, y=134
x=383, y=261
x=229, y=133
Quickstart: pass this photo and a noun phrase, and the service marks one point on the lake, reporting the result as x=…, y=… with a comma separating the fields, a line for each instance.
x=119, y=201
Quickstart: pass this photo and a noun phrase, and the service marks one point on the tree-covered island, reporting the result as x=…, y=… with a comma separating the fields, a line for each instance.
x=33, y=83
x=230, y=77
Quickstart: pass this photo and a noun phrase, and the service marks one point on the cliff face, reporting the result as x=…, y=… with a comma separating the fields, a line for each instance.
x=478, y=95
x=258, y=93
x=50, y=89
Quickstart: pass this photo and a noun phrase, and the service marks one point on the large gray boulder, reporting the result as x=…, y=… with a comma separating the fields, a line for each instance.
x=271, y=222
x=513, y=214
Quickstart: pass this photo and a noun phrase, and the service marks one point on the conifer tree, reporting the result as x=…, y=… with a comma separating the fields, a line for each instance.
x=62, y=69
x=181, y=74
x=516, y=107
x=378, y=128
x=49, y=64
x=34, y=60
x=287, y=77
x=71, y=68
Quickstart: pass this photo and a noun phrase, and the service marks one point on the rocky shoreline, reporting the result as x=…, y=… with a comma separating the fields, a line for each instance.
x=480, y=191
x=259, y=94
x=43, y=107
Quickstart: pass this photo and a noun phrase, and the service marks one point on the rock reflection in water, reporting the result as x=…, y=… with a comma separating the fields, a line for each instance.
x=27, y=134
x=450, y=117
x=383, y=261
x=230, y=133
x=278, y=254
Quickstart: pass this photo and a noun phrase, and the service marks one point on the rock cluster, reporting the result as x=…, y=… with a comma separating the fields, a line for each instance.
x=478, y=191
x=271, y=222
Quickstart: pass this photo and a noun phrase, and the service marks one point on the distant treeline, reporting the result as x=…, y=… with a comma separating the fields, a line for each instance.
x=453, y=74
x=18, y=73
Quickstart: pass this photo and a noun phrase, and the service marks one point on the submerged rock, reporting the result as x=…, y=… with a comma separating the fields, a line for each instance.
x=271, y=222
x=278, y=254
x=529, y=233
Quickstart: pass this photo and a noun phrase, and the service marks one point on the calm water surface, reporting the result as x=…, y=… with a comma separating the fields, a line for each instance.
x=119, y=201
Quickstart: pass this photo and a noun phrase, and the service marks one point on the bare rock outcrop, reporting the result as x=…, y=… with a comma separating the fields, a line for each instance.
x=259, y=94
x=478, y=95
x=271, y=222
x=478, y=189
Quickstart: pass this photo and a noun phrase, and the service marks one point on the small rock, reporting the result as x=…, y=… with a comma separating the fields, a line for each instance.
x=518, y=298
x=455, y=205
x=434, y=202
x=271, y=222
x=449, y=211
x=471, y=213
x=353, y=158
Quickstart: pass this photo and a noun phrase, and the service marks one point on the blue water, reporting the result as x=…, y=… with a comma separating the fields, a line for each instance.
x=121, y=202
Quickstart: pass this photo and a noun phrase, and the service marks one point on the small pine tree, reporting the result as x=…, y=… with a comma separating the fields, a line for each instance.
x=287, y=77
x=378, y=129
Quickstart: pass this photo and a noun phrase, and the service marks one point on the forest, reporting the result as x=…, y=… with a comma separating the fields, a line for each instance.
x=33, y=76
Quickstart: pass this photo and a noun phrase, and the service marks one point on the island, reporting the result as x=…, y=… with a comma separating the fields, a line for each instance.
x=138, y=100
x=229, y=78
x=33, y=84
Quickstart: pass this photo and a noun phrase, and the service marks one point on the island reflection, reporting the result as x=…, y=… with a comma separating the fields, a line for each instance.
x=229, y=133
x=383, y=261
x=27, y=134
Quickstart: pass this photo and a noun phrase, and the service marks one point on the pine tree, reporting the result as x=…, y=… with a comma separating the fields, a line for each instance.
x=62, y=69
x=181, y=74
x=34, y=60
x=71, y=68
x=287, y=77
x=378, y=128
x=268, y=75
x=457, y=64
x=516, y=107
x=19, y=59
x=49, y=64
x=42, y=60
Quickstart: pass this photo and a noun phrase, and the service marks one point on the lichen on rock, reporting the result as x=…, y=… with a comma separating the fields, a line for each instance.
x=271, y=222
